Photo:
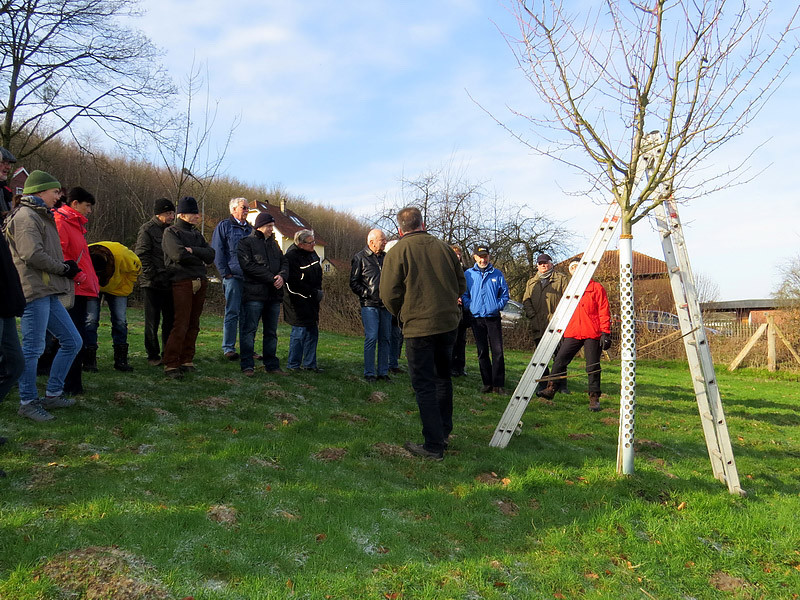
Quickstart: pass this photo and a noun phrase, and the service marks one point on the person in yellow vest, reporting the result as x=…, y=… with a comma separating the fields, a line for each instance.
x=117, y=269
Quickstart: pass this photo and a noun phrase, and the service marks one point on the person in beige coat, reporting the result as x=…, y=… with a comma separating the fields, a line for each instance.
x=46, y=278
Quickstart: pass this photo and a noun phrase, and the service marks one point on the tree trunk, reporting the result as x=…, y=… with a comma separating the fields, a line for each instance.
x=627, y=398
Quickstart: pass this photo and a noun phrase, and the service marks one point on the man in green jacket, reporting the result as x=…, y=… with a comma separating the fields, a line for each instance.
x=421, y=282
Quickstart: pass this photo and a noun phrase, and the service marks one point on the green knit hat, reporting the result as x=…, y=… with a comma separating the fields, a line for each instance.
x=39, y=181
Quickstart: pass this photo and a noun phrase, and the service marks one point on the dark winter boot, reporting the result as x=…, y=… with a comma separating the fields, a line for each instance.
x=121, y=358
x=90, y=359
x=594, y=401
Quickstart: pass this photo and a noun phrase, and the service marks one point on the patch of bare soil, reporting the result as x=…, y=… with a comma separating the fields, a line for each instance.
x=391, y=450
x=124, y=398
x=225, y=515
x=343, y=416
x=610, y=421
x=99, y=573
x=213, y=403
x=377, y=397
x=727, y=583
x=45, y=446
x=507, y=507
x=330, y=454
x=276, y=394
x=489, y=478
x=286, y=418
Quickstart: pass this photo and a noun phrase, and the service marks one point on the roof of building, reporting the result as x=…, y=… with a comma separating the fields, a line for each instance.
x=643, y=265
x=287, y=222
x=752, y=304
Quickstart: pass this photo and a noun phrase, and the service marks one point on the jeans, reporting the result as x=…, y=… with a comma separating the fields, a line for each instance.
x=488, y=332
x=377, y=332
x=566, y=352
x=13, y=362
x=429, y=368
x=303, y=347
x=40, y=316
x=232, y=286
x=269, y=312
x=158, y=306
x=180, y=347
x=117, y=306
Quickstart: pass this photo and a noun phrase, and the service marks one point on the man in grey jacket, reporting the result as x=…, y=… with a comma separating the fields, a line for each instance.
x=46, y=277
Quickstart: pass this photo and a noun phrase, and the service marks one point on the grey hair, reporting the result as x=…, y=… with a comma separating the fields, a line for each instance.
x=302, y=235
x=234, y=202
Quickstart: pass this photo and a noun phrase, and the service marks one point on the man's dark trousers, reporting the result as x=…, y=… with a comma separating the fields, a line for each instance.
x=488, y=332
x=158, y=307
x=566, y=352
x=429, y=360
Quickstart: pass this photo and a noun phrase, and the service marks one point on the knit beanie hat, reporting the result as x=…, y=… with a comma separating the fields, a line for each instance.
x=39, y=181
x=264, y=218
x=187, y=206
x=162, y=205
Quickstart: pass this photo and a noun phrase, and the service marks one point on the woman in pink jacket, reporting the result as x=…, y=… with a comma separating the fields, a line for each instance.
x=71, y=219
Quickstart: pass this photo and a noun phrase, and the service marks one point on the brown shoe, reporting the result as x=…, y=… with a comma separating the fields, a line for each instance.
x=594, y=401
x=277, y=371
x=248, y=372
x=232, y=355
x=155, y=362
x=500, y=390
x=549, y=392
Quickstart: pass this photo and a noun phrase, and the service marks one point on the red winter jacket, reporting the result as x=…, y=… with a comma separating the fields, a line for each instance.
x=592, y=316
x=72, y=232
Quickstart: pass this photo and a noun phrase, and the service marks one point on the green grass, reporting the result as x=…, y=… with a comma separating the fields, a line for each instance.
x=140, y=461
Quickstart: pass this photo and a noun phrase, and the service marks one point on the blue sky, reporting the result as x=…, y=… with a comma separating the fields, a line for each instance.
x=340, y=100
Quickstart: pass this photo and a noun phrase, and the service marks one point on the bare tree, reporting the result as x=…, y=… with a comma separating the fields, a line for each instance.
x=462, y=212
x=64, y=63
x=697, y=72
x=789, y=288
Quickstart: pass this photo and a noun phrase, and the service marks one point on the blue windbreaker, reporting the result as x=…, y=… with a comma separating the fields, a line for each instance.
x=487, y=291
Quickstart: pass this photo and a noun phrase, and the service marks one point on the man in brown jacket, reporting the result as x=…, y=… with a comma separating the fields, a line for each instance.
x=542, y=294
x=421, y=282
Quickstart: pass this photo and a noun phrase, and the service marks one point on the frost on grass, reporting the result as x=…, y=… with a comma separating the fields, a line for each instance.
x=330, y=454
x=226, y=515
x=97, y=573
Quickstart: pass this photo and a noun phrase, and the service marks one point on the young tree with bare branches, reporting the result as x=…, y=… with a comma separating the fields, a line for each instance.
x=638, y=95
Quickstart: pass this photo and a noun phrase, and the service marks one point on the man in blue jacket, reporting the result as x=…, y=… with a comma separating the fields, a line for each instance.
x=486, y=295
x=225, y=240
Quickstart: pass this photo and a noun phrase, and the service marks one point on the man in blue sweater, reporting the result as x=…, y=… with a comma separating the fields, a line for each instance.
x=486, y=295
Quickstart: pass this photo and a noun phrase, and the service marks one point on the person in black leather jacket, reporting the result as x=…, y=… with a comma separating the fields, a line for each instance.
x=186, y=257
x=365, y=279
x=301, y=301
x=265, y=270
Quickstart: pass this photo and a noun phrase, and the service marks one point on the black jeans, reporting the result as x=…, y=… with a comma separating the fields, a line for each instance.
x=460, y=345
x=429, y=368
x=488, y=332
x=73, y=382
x=158, y=307
x=567, y=351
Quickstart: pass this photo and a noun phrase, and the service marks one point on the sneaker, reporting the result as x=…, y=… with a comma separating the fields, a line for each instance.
x=421, y=451
x=232, y=355
x=60, y=401
x=34, y=411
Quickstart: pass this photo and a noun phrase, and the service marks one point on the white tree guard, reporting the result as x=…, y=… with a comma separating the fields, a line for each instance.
x=627, y=397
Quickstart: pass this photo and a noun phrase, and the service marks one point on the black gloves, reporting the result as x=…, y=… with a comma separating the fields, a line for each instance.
x=72, y=269
x=605, y=341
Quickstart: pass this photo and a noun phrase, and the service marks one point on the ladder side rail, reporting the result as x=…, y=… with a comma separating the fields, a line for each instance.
x=544, y=351
x=695, y=368
x=711, y=399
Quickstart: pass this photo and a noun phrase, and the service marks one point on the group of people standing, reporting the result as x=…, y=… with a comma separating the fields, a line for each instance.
x=419, y=292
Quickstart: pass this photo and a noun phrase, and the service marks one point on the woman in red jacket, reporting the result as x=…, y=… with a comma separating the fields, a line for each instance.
x=71, y=219
x=590, y=329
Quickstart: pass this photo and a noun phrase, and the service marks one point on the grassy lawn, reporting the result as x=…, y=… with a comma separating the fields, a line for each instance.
x=221, y=487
